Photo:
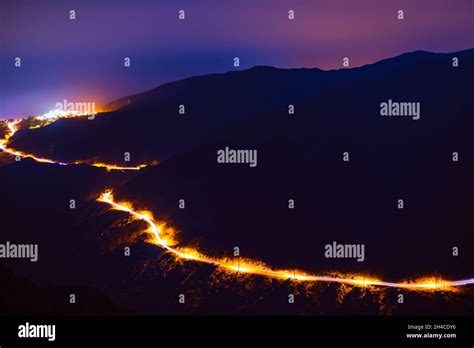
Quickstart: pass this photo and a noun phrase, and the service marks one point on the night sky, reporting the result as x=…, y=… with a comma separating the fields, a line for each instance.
x=82, y=59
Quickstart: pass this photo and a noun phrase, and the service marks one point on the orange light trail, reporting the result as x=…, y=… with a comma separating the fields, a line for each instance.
x=13, y=128
x=258, y=268
x=244, y=266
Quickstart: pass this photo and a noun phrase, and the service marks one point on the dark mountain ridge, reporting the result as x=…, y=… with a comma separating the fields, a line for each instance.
x=300, y=157
x=150, y=127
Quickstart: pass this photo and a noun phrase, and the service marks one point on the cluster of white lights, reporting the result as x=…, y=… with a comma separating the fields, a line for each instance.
x=59, y=113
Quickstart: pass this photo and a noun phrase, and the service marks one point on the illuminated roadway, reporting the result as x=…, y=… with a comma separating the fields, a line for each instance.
x=163, y=237
x=13, y=127
x=258, y=268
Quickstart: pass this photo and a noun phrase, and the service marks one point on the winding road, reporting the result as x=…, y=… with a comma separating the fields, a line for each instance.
x=164, y=239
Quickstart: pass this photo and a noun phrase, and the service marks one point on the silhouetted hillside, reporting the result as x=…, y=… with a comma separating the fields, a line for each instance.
x=300, y=157
x=150, y=127
x=228, y=205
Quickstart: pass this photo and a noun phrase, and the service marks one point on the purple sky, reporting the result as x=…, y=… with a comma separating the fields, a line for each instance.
x=82, y=60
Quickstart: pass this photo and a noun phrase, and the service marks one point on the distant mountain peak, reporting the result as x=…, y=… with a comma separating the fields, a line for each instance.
x=292, y=76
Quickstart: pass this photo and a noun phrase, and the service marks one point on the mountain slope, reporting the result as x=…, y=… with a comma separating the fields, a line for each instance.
x=300, y=157
x=150, y=127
